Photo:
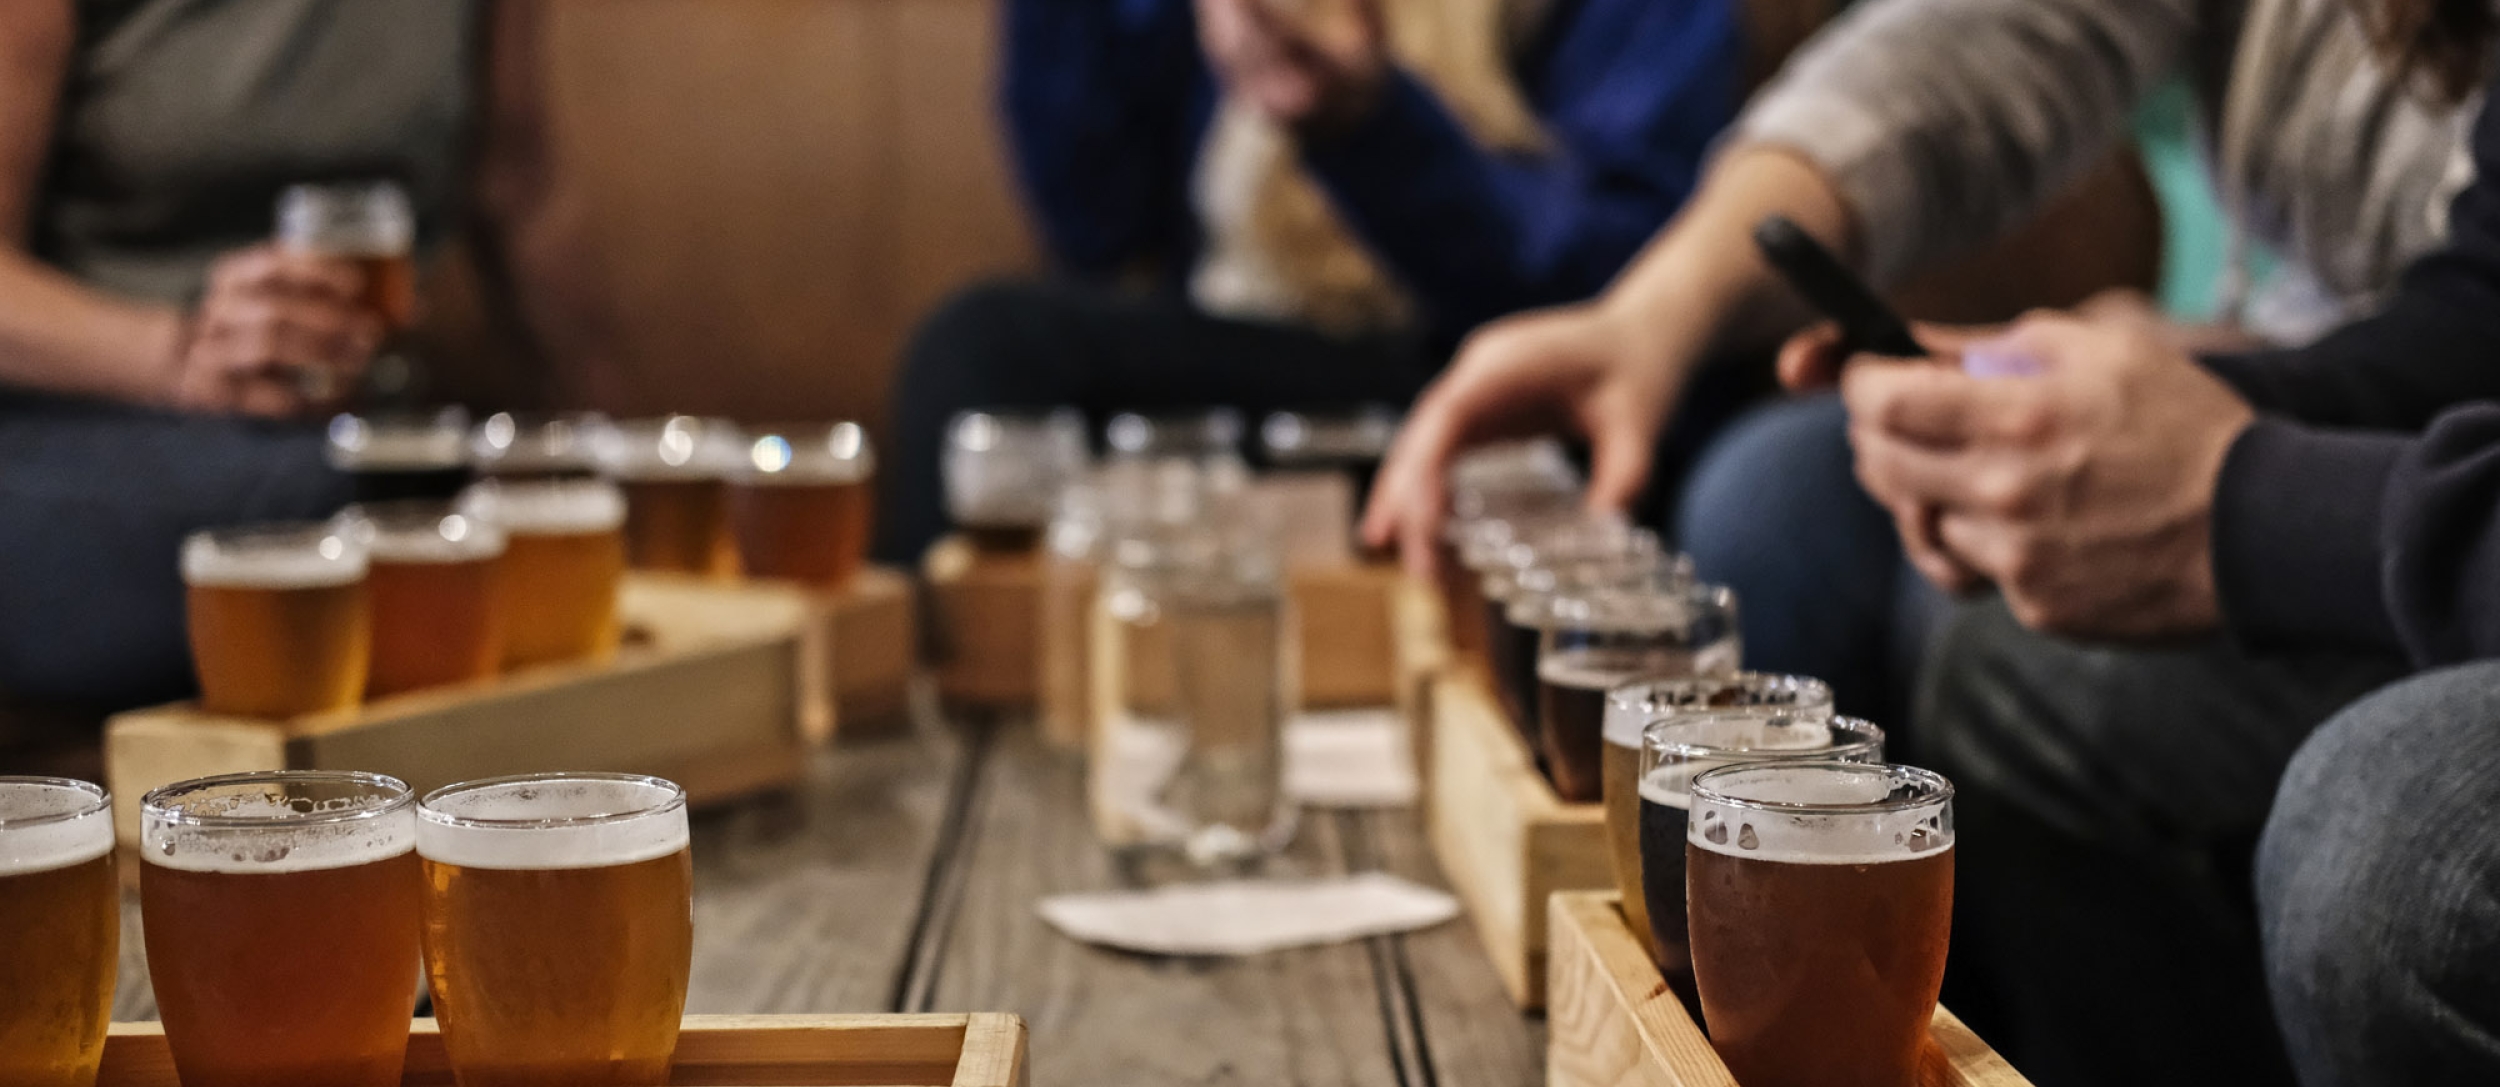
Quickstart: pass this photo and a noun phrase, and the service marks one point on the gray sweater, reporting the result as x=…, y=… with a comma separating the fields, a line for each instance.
x=1945, y=122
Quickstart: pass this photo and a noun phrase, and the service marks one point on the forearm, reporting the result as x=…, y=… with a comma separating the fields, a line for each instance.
x=61, y=336
x=1701, y=287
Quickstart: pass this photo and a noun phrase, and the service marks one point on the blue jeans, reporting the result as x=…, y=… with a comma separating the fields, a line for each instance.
x=1774, y=511
x=94, y=502
x=2378, y=889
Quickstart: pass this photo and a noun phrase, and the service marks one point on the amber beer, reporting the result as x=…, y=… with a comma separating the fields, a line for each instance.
x=558, y=927
x=278, y=618
x=1600, y=639
x=281, y=919
x=1745, y=709
x=437, y=594
x=674, y=471
x=801, y=504
x=370, y=225
x=563, y=561
x=60, y=930
x=1822, y=904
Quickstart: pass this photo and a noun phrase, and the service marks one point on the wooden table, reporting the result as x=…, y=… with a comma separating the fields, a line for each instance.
x=901, y=877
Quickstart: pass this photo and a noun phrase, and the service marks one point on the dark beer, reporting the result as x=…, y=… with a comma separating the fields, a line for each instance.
x=1003, y=539
x=1510, y=650
x=1665, y=808
x=1572, y=686
x=1821, y=903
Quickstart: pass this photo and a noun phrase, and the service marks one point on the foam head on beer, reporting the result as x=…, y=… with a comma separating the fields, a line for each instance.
x=276, y=822
x=48, y=823
x=553, y=821
x=545, y=507
x=1821, y=812
x=353, y=220
x=1004, y=469
x=530, y=444
x=278, y=618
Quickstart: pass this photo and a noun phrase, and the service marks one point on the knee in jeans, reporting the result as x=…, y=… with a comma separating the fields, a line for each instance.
x=1766, y=480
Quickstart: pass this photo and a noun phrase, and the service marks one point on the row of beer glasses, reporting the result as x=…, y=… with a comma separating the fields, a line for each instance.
x=1795, y=891
x=701, y=495
x=287, y=915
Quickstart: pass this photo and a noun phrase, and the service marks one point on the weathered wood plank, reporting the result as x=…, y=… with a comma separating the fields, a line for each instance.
x=1471, y=1029
x=1309, y=1016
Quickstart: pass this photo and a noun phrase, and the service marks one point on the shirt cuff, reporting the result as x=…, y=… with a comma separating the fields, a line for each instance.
x=1857, y=147
x=2296, y=536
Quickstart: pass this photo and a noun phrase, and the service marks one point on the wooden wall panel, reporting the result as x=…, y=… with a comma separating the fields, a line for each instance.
x=775, y=190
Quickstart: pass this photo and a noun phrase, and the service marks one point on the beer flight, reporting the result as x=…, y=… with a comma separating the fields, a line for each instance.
x=1794, y=890
x=475, y=551
x=287, y=915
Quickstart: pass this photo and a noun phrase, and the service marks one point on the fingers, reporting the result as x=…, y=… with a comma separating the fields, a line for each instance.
x=1621, y=451
x=1407, y=494
x=1923, y=546
x=1943, y=407
x=1811, y=359
x=270, y=271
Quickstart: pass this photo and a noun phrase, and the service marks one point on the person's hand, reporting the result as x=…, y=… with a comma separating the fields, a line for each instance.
x=2085, y=492
x=1584, y=369
x=1300, y=76
x=279, y=333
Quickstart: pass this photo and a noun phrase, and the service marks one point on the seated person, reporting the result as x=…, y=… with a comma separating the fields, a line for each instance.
x=1327, y=202
x=1910, y=130
x=2309, y=504
x=158, y=357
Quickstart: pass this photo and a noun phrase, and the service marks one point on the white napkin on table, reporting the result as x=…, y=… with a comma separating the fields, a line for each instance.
x=1247, y=917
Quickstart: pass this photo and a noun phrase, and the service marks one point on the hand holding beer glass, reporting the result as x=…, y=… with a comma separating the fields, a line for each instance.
x=800, y=502
x=1821, y=896
x=279, y=619
x=281, y=912
x=563, y=563
x=371, y=228
x=559, y=927
x=675, y=471
x=435, y=581
x=60, y=930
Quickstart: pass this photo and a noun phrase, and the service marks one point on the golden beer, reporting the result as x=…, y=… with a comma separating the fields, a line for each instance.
x=801, y=504
x=60, y=930
x=674, y=470
x=370, y=225
x=563, y=562
x=558, y=927
x=282, y=923
x=279, y=619
x=1822, y=906
x=1726, y=715
x=437, y=594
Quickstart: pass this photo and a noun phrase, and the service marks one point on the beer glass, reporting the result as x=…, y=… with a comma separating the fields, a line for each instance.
x=1517, y=576
x=402, y=455
x=531, y=445
x=370, y=224
x=281, y=918
x=435, y=583
x=1004, y=471
x=279, y=619
x=564, y=558
x=1822, y=901
x=1195, y=637
x=1598, y=639
x=1352, y=442
x=1681, y=728
x=675, y=474
x=559, y=927
x=60, y=930
x=801, y=505
x=1212, y=435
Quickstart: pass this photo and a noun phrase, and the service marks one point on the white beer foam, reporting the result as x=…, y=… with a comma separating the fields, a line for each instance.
x=43, y=847
x=1605, y=669
x=383, y=447
x=1782, y=837
x=546, y=508
x=1673, y=785
x=467, y=829
x=205, y=564
x=284, y=846
x=1630, y=710
x=471, y=540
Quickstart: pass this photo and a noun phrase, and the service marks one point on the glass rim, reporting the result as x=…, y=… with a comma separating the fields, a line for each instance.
x=1632, y=693
x=99, y=799
x=152, y=804
x=673, y=798
x=270, y=531
x=1867, y=737
x=1938, y=789
x=1646, y=608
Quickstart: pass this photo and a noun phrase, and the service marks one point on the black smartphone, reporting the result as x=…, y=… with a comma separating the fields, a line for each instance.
x=1866, y=323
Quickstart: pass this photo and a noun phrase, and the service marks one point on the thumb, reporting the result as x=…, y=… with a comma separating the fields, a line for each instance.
x=1811, y=359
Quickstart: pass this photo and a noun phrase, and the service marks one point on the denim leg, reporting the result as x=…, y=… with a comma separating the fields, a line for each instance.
x=2108, y=803
x=2378, y=886
x=1775, y=512
x=94, y=502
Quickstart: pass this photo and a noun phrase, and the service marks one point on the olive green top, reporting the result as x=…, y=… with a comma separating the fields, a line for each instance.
x=181, y=120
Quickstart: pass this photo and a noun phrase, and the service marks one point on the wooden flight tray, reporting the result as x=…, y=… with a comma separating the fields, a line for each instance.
x=724, y=1050
x=720, y=687
x=1505, y=840
x=1611, y=1021
x=986, y=609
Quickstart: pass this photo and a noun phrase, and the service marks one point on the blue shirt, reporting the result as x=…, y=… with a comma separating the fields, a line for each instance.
x=1108, y=101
